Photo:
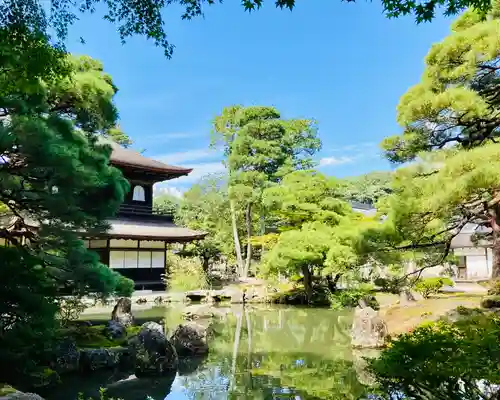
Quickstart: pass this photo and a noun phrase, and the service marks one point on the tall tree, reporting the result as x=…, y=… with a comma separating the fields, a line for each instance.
x=315, y=228
x=451, y=122
x=368, y=188
x=260, y=148
x=55, y=180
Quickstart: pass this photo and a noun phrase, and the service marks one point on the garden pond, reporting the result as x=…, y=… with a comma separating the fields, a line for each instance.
x=267, y=352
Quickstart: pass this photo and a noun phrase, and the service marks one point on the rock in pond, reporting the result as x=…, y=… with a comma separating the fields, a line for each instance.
x=115, y=330
x=190, y=339
x=122, y=312
x=197, y=295
x=96, y=359
x=66, y=356
x=152, y=353
x=369, y=330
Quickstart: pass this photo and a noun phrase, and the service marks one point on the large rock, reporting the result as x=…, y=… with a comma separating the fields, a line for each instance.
x=197, y=295
x=152, y=353
x=369, y=330
x=154, y=326
x=190, y=339
x=115, y=330
x=122, y=312
x=96, y=359
x=66, y=356
x=237, y=297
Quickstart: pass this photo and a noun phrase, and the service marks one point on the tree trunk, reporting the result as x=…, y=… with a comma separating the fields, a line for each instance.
x=206, y=264
x=248, y=220
x=495, y=270
x=237, y=246
x=332, y=283
x=307, y=282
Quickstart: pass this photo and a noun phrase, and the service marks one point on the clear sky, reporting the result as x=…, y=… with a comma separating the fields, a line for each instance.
x=343, y=64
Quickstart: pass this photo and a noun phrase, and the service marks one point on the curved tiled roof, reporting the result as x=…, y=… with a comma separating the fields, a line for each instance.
x=131, y=158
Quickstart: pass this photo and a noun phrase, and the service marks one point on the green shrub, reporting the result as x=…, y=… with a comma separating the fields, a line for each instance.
x=349, y=298
x=442, y=359
x=392, y=285
x=490, y=302
x=429, y=286
x=70, y=309
x=124, y=286
x=494, y=287
x=185, y=273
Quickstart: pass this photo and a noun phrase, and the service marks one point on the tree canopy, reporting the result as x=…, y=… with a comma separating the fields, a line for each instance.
x=55, y=180
x=368, y=188
x=146, y=17
x=260, y=149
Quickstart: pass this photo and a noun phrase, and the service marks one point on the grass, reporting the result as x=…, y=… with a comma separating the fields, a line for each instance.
x=400, y=319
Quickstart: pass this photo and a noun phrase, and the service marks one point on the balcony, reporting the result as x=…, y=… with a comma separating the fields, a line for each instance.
x=142, y=212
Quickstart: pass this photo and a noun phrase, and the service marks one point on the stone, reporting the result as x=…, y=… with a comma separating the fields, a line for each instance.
x=122, y=312
x=66, y=356
x=197, y=295
x=198, y=311
x=152, y=353
x=96, y=359
x=369, y=330
x=154, y=326
x=21, y=396
x=409, y=297
x=369, y=300
x=115, y=330
x=158, y=300
x=190, y=339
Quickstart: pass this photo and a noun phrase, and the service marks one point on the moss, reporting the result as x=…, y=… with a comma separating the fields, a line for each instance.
x=95, y=336
x=6, y=389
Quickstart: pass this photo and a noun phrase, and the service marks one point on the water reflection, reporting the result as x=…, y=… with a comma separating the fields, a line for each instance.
x=256, y=353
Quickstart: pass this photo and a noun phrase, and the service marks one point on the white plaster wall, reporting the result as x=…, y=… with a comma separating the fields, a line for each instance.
x=477, y=267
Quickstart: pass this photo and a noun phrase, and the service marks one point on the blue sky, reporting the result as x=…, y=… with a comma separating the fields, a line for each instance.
x=343, y=64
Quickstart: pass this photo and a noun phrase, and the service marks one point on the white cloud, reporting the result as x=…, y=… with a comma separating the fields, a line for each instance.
x=191, y=155
x=171, y=190
x=199, y=171
x=323, y=162
x=358, y=146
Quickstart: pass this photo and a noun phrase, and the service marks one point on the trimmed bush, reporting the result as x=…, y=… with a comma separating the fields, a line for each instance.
x=124, y=286
x=447, y=358
x=429, y=286
x=490, y=302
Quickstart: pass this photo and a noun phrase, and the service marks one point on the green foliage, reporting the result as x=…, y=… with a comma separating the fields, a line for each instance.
x=260, y=149
x=205, y=207
x=491, y=301
x=429, y=286
x=349, y=298
x=185, y=273
x=454, y=104
x=442, y=360
x=391, y=284
x=95, y=336
x=367, y=188
x=124, y=287
x=70, y=309
x=55, y=180
x=146, y=17
x=165, y=204
x=494, y=287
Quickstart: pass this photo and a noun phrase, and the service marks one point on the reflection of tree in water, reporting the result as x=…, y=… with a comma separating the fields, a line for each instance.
x=288, y=353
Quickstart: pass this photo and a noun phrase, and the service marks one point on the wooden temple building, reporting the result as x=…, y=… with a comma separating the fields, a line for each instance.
x=138, y=242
